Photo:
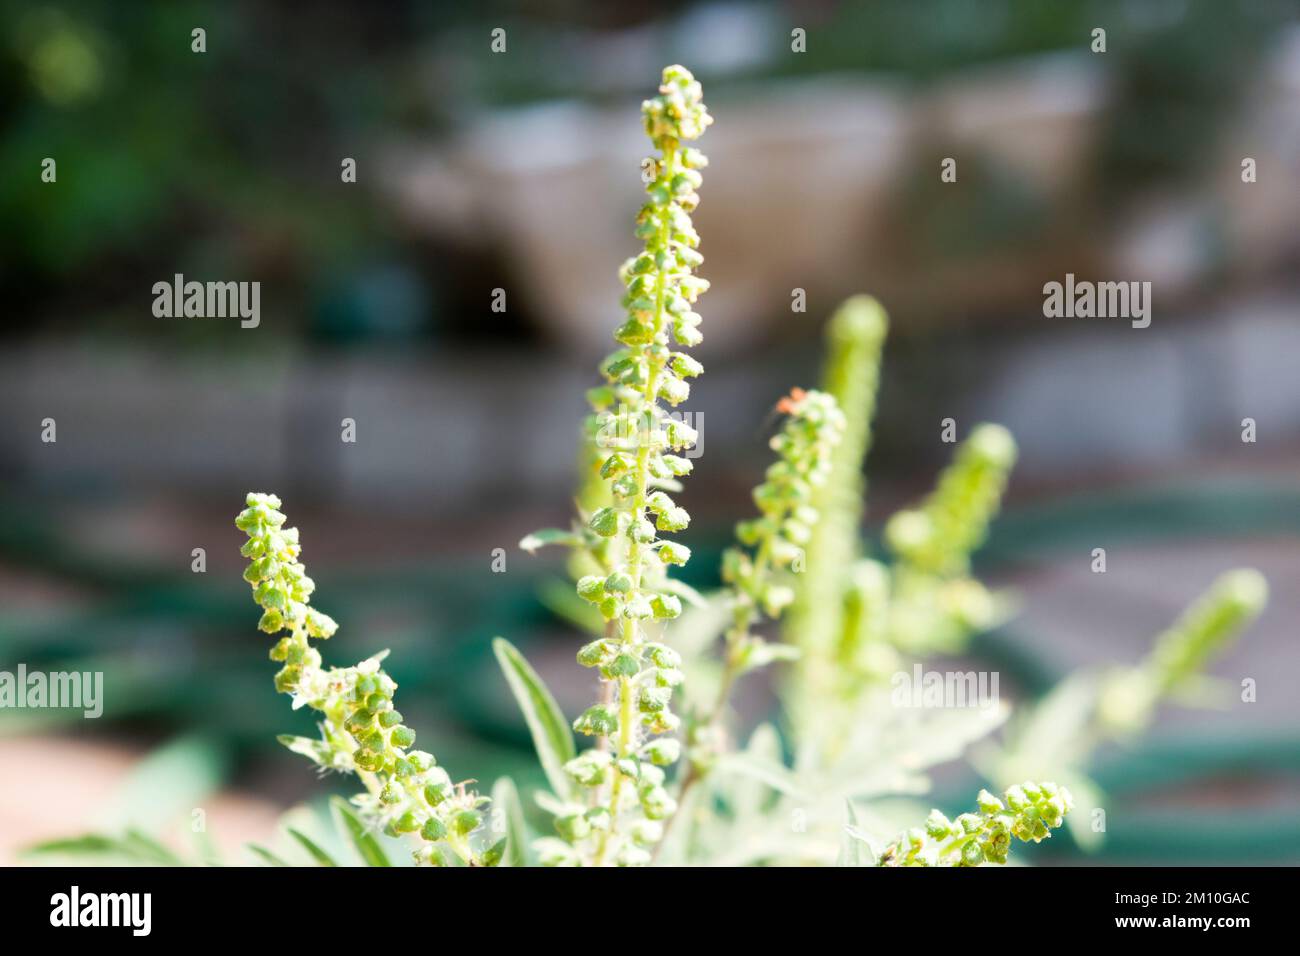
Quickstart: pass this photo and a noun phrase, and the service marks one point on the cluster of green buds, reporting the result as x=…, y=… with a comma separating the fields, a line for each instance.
x=939, y=537
x=936, y=601
x=1128, y=696
x=361, y=732
x=770, y=544
x=638, y=443
x=1028, y=812
x=776, y=539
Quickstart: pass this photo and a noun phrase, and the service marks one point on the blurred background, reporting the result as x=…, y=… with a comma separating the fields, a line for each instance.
x=519, y=171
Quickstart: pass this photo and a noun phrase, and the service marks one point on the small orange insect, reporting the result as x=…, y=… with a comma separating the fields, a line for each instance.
x=790, y=403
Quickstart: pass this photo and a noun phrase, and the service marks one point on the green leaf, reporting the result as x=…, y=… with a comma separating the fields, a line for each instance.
x=270, y=858
x=317, y=751
x=87, y=845
x=149, y=847
x=505, y=797
x=551, y=735
x=855, y=850
x=166, y=785
x=770, y=772
x=132, y=847
x=364, y=842
x=317, y=854
x=540, y=539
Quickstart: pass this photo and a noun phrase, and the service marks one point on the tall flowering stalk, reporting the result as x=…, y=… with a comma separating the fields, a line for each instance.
x=1128, y=696
x=855, y=338
x=361, y=732
x=775, y=541
x=939, y=537
x=768, y=546
x=636, y=439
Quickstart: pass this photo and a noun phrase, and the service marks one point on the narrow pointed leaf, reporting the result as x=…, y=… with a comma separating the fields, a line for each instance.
x=364, y=842
x=552, y=737
x=267, y=856
x=505, y=797
x=316, y=853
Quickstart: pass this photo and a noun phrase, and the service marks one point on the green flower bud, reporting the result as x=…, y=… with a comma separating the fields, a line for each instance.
x=938, y=826
x=620, y=582
x=686, y=366
x=614, y=466
x=433, y=830
x=589, y=768
x=678, y=466
x=656, y=803
x=604, y=522
x=972, y=854
x=573, y=826
x=663, y=751
x=401, y=736
x=638, y=608
x=597, y=721
x=670, y=552
x=624, y=665
x=591, y=588
x=595, y=653
x=632, y=856
x=367, y=760
x=674, y=519
x=647, y=832
x=287, y=679
x=360, y=724
x=553, y=852
x=421, y=760
x=663, y=656
x=466, y=822
x=652, y=699
x=429, y=856
x=665, y=606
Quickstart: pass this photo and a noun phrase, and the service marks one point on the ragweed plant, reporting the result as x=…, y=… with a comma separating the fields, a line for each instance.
x=771, y=547
x=636, y=441
x=360, y=730
x=853, y=617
